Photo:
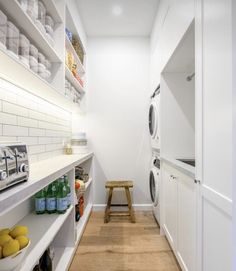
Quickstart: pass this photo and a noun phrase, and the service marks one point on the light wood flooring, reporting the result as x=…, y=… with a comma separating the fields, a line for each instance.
x=123, y=246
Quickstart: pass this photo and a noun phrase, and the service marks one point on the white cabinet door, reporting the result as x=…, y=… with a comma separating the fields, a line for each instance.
x=187, y=212
x=170, y=205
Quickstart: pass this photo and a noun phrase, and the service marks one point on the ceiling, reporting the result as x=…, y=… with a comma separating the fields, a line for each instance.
x=118, y=17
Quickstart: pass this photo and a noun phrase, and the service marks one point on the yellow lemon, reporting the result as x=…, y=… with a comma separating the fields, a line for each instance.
x=19, y=230
x=23, y=241
x=10, y=248
x=4, y=239
x=4, y=231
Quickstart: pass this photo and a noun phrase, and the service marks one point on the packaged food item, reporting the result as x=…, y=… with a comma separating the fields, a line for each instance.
x=70, y=60
x=24, y=48
x=78, y=48
x=69, y=34
x=13, y=34
x=3, y=29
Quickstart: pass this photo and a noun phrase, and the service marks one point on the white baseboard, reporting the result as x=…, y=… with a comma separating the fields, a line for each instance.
x=137, y=207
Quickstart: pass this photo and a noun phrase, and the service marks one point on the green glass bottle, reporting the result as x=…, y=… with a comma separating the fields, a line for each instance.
x=51, y=198
x=68, y=191
x=40, y=202
x=61, y=197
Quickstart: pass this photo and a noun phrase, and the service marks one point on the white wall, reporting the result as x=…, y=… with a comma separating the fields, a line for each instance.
x=118, y=102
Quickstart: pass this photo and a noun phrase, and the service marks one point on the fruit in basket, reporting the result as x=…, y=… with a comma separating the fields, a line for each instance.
x=23, y=241
x=4, y=239
x=10, y=248
x=18, y=231
x=4, y=231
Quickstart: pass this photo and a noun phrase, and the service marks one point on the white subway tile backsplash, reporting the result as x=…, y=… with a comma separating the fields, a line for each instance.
x=36, y=115
x=29, y=119
x=36, y=132
x=53, y=147
x=8, y=139
x=29, y=140
x=14, y=109
x=8, y=118
x=45, y=140
x=12, y=130
x=36, y=149
x=22, y=121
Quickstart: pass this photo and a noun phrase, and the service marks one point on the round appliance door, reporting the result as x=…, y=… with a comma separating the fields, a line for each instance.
x=154, y=186
x=153, y=120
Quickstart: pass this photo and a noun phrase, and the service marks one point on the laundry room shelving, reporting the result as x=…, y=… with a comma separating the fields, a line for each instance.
x=52, y=90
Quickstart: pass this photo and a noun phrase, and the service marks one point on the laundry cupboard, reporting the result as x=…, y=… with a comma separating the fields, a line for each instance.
x=180, y=214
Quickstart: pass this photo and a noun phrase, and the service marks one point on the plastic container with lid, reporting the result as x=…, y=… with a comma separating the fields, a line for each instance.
x=13, y=34
x=3, y=29
x=41, y=68
x=34, y=52
x=32, y=9
x=41, y=12
x=41, y=58
x=48, y=64
x=24, y=48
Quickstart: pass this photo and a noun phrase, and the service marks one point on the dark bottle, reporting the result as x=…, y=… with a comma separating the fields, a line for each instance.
x=46, y=261
x=62, y=197
x=40, y=202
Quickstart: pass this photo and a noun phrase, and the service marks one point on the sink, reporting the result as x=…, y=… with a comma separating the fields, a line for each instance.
x=190, y=162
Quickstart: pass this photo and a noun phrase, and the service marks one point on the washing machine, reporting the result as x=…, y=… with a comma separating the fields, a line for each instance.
x=154, y=184
x=154, y=119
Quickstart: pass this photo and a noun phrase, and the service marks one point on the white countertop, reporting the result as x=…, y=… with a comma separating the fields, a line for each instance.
x=185, y=168
x=41, y=174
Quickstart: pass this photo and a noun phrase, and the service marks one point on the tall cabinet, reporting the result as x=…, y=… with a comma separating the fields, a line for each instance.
x=214, y=151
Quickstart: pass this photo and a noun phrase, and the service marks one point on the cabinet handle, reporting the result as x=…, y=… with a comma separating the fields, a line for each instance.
x=173, y=177
x=197, y=181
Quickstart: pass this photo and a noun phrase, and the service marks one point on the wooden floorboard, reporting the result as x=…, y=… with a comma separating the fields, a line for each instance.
x=123, y=246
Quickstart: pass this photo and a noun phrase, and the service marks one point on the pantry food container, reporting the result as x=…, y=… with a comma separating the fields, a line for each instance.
x=32, y=9
x=41, y=58
x=41, y=12
x=49, y=25
x=12, y=262
x=24, y=48
x=48, y=64
x=13, y=35
x=34, y=52
x=3, y=29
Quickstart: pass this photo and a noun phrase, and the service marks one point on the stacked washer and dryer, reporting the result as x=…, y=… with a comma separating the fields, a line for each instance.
x=154, y=175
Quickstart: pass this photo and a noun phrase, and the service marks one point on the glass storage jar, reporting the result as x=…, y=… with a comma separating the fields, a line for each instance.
x=41, y=12
x=24, y=48
x=32, y=9
x=13, y=34
x=3, y=29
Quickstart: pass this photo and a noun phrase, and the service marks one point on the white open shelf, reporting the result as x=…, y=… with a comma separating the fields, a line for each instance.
x=22, y=19
x=70, y=77
x=82, y=222
x=41, y=174
x=64, y=255
x=88, y=183
x=70, y=48
x=42, y=230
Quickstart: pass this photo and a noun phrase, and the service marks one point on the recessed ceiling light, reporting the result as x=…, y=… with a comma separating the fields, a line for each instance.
x=117, y=10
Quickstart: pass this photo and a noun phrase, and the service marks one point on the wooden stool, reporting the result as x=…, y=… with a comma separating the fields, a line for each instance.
x=119, y=184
